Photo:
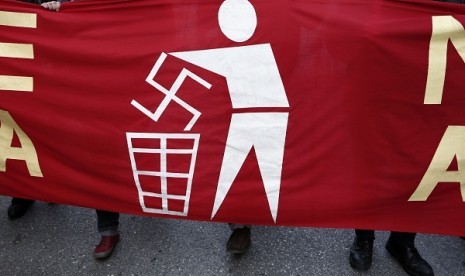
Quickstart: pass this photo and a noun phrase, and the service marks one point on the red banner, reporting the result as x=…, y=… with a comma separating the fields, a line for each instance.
x=344, y=113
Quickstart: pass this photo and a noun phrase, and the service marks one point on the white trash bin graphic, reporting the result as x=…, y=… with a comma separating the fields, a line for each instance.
x=163, y=168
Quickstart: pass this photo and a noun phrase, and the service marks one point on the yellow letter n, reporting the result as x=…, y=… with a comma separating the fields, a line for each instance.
x=445, y=28
x=452, y=145
x=26, y=152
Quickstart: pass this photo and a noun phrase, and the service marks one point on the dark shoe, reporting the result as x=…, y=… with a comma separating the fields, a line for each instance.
x=239, y=241
x=463, y=238
x=409, y=259
x=18, y=209
x=361, y=254
x=106, y=246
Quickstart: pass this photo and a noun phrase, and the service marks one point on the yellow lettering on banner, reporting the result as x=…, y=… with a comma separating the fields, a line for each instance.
x=26, y=152
x=452, y=145
x=17, y=19
x=17, y=50
x=15, y=83
x=445, y=28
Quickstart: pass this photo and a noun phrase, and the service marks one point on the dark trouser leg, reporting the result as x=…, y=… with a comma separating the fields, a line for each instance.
x=403, y=238
x=401, y=246
x=240, y=238
x=21, y=201
x=365, y=235
x=235, y=226
x=361, y=251
x=107, y=222
x=19, y=207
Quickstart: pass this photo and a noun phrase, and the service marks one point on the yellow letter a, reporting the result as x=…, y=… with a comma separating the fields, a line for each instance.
x=26, y=152
x=452, y=145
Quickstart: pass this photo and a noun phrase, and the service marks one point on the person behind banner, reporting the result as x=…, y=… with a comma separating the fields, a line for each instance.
x=107, y=222
x=20, y=206
x=400, y=245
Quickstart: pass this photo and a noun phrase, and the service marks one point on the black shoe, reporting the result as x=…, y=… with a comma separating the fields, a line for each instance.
x=239, y=241
x=18, y=209
x=361, y=254
x=410, y=259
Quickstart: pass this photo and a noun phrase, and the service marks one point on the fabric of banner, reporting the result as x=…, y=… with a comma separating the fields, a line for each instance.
x=344, y=113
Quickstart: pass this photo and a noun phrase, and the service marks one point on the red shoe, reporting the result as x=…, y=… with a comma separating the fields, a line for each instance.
x=106, y=246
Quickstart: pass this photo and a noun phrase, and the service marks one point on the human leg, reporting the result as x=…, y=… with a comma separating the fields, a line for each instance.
x=240, y=238
x=107, y=223
x=401, y=245
x=19, y=207
x=361, y=251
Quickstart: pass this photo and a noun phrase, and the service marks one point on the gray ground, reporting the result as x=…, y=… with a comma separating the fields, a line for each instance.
x=58, y=240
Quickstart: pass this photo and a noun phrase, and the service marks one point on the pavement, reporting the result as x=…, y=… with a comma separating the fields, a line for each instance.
x=59, y=240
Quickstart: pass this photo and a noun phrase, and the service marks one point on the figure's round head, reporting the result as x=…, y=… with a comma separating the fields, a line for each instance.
x=237, y=19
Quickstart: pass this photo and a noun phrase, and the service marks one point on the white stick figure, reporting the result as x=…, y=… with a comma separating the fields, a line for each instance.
x=253, y=81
